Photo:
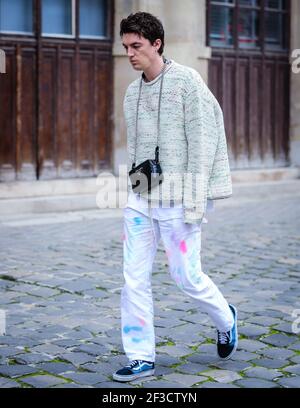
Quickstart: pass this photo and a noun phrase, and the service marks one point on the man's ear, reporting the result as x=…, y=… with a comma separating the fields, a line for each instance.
x=157, y=43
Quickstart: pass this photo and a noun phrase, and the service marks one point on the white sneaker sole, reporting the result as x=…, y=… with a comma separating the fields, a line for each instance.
x=124, y=378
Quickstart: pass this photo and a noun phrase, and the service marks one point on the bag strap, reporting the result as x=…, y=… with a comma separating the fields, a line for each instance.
x=158, y=117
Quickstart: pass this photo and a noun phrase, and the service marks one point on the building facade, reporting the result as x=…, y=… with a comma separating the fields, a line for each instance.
x=66, y=74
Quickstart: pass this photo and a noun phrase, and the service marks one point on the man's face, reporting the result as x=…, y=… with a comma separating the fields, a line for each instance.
x=140, y=51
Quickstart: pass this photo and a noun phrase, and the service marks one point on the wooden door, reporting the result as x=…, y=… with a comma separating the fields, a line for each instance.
x=56, y=95
x=249, y=74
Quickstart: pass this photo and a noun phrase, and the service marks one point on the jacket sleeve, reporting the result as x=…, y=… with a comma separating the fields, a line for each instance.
x=202, y=139
x=220, y=182
x=129, y=122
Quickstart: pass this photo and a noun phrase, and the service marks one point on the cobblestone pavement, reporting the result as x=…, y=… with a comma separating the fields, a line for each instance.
x=60, y=283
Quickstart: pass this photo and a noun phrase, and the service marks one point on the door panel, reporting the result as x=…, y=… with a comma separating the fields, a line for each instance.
x=8, y=105
x=252, y=85
x=47, y=120
x=56, y=101
x=254, y=95
x=104, y=87
x=66, y=116
x=86, y=109
x=27, y=136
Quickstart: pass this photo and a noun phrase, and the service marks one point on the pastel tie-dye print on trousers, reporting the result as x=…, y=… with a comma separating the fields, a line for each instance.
x=182, y=243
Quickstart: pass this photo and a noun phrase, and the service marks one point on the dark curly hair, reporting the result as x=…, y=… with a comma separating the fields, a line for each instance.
x=146, y=25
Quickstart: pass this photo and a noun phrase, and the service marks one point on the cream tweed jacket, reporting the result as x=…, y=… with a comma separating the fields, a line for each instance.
x=192, y=140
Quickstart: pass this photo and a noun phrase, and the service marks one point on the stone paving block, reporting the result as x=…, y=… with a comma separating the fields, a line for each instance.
x=114, y=384
x=9, y=351
x=49, y=349
x=63, y=298
x=295, y=346
x=184, y=379
x=289, y=261
x=77, y=335
x=176, y=351
x=284, y=327
x=8, y=383
x=256, y=383
x=24, y=288
x=291, y=382
x=42, y=381
x=163, y=384
x=264, y=321
x=187, y=339
x=100, y=367
x=86, y=378
x=232, y=365
x=241, y=355
x=251, y=345
x=4, y=284
x=295, y=369
x=16, y=370
x=277, y=353
x=280, y=340
x=165, y=333
x=95, y=326
x=223, y=376
x=166, y=360
x=53, y=330
x=169, y=323
x=252, y=330
x=44, y=292
x=77, y=285
x=201, y=358
x=115, y=332
x=269, y=363
x=31, y=358
x=275, y=313
x=143, y=380
x=207, y=348
x=67, y=343
x=77, y=358
x=71, y=385
x=191, y=368
x=167, y=314
x=160, y=370
x=102, y=339
x=9, y=340
x=110, y=301
x=262, y=372
x=39, y=337
x=93, y=349
x=56, y=367
x=196, y=318
x=175, y=304
x=295, y=359
x=182, y=341
x=96, y=293
x=210, y=384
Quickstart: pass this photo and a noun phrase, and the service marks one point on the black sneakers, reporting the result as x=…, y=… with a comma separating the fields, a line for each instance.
x=228, y=341
x=135, y=369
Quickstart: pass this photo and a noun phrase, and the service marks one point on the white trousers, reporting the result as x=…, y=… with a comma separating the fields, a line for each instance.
x=182, y=243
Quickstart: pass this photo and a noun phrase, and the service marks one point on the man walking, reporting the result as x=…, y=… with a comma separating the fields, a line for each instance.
x=171, y=107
